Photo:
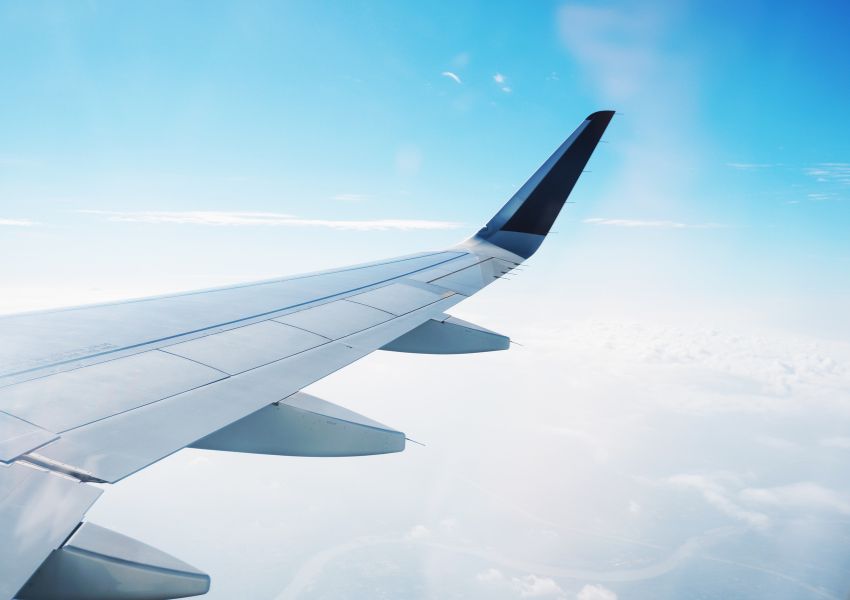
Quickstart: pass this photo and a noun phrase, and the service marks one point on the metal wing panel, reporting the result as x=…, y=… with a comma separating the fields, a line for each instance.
x=472, y=279
x=71, y=399
x=336, y=319
x=445, y=268
x=244, y=348
x=400, y=298
x=19, y=437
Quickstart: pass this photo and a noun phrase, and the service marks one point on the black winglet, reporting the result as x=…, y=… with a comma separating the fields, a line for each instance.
x=528, y=216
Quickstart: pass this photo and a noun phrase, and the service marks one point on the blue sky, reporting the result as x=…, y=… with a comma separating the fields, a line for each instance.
x=674, y=425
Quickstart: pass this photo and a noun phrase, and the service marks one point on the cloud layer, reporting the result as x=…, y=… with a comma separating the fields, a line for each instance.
x=16, y=223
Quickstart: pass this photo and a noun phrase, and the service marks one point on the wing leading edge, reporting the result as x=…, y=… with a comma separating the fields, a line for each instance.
x=104, y=391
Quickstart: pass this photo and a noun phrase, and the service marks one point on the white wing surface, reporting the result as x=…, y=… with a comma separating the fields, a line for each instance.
x=95, y=393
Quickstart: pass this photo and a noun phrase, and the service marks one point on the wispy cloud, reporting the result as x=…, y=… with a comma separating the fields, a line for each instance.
x=533, y=586
x=418, y=532
x=805, y=495
x=596, y=592
x=223, y=218
x=831, y=172
x=453, y=76
x=821, y=196
x=17, y=223
x=526, y=586
x=750, y=166
x=714, y=491
x=502, y=82
x=656, y=224
x=836, y=442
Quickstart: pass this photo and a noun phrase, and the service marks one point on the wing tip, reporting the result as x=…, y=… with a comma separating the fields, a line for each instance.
x=603, y=116
x=526, y=219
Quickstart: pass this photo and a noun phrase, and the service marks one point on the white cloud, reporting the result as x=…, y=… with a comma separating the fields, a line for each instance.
x=490, y=576
x=818, y=196
x=750, y=166
x=526, y=586
x=453, y=76
x=771, y=441
x=721, y=370
x=831, y=172
x=717, y=495
x=596, y=592
x=805, y=495
x=17, y=223
x=532, y=586
x=836, y=442
x=501, y=81
x=448, y=526
x=595, y=443
x=225, y=218
x=418, y=532
x=656, y=224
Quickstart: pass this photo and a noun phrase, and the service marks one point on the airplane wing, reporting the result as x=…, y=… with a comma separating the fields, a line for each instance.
x=93, y=394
